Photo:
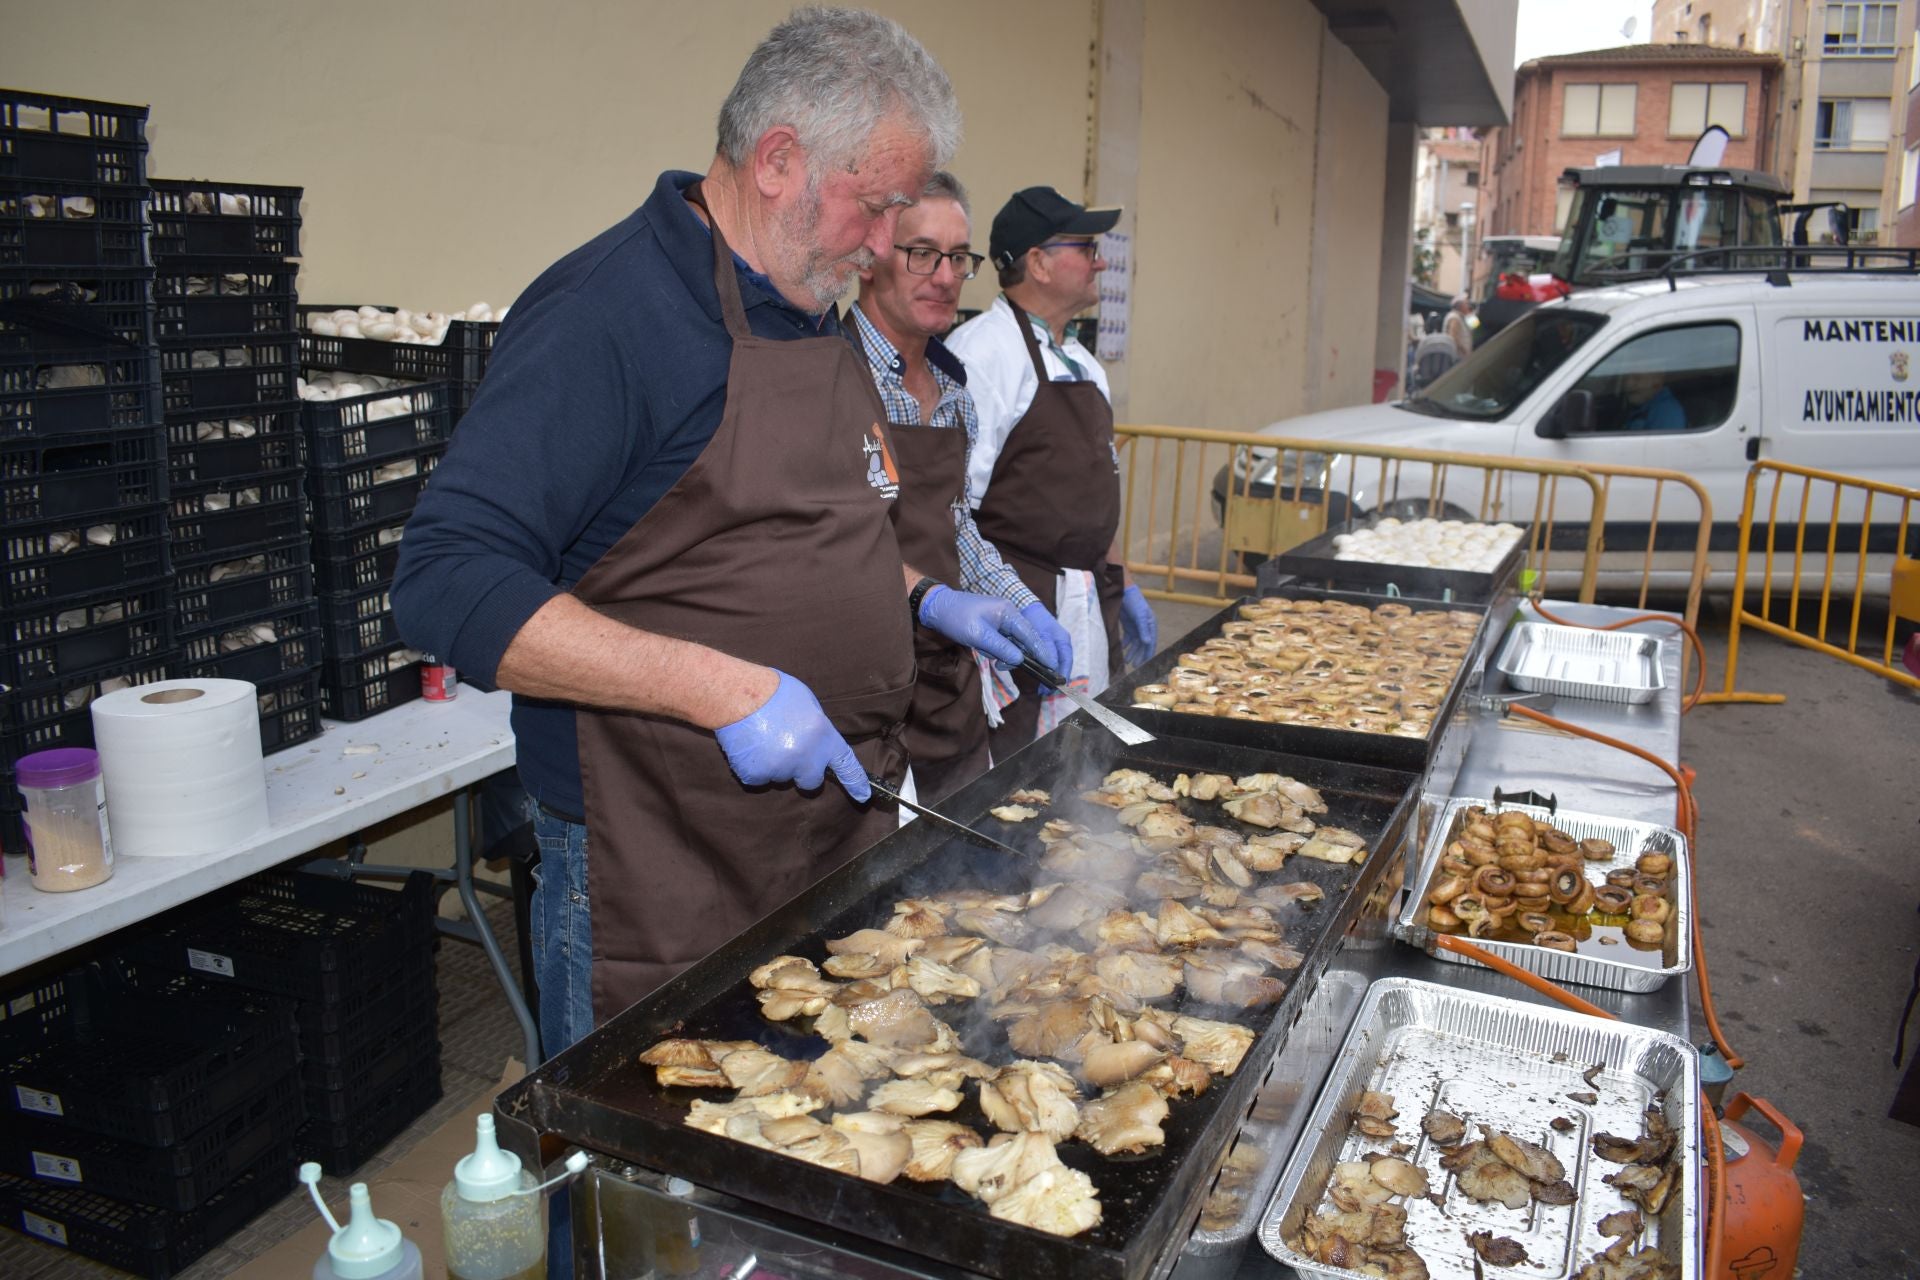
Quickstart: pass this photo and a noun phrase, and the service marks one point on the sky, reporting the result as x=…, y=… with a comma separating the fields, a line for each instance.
x=1572, y=26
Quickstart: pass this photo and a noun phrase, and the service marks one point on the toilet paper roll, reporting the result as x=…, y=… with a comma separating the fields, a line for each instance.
x=182, y=764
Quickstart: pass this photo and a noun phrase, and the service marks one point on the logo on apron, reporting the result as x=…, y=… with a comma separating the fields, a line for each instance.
x=881, y=473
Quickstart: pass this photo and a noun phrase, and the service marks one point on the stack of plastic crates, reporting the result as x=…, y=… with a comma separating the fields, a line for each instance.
x=143, y=1126
x=369, y=456
x=356, y=960
x=460, y=358
x=84, y=589
x=224, y=317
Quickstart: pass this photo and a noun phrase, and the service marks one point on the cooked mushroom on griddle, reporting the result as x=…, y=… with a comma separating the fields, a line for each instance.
x=1014, y=812
x=880, y=1140
x=1498, y=1251
x=1031, y=1097
x=913, y=1098
x=1032, y=795
x=935, y=1144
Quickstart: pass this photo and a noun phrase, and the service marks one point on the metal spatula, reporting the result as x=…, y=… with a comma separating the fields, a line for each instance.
x=1110, y=720
x=977, y=837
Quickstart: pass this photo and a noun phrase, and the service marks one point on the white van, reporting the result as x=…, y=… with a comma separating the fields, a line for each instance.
x=1700, y=374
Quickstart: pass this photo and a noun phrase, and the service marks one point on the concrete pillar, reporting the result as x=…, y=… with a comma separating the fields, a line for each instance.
x=1396, y=248
x=1113, y=142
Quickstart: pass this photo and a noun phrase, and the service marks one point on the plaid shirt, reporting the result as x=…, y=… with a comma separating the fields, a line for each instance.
x=981, y=568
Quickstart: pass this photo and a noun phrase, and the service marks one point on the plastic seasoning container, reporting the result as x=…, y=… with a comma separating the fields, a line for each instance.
x=69, y=844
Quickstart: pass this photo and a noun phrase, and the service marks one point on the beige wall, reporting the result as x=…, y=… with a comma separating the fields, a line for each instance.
x=1228, y=110
x=451, y=149
x=1349, y=181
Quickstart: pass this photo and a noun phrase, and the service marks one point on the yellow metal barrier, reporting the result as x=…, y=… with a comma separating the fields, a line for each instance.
x=1851, y=497
x=1662, y=481
x=1198, y=501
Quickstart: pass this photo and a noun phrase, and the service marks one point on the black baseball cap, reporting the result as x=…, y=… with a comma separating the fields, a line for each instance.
x=1038, y=214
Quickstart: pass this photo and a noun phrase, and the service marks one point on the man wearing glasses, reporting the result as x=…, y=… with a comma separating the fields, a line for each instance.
x=907, y=299
x=1044, y=475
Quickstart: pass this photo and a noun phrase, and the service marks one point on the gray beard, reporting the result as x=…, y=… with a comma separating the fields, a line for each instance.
x=818, y=279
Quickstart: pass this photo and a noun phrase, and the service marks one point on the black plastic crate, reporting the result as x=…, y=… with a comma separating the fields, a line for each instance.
x=361, y=497
x=239, y=649
x=51, y=561
x=87, y=1051
x=289, y=710
x=47, y=223
x=211, y=593
x=72, y=139
x=81, y=475
x=225, y=219
x=199, y=300
x=342, y=1146
x=41, y=717
x=343, y=434
x=356, y=688
x=206, y=450
x=333, y=1035
x=181, y=1176
x=358, y=624
x=235, y=517
x=73, y=389
x=227, y=374
x=356, y=561
x=48, y=642
x=140, y=1239
x=312, y=937
x=59, y=306
x=461, y=355
x=336, y=1090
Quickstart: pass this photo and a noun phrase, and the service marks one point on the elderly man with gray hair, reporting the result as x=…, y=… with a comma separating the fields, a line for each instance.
x=664, y=525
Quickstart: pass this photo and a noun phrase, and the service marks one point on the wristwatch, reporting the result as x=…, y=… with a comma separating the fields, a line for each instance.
x=918, y=594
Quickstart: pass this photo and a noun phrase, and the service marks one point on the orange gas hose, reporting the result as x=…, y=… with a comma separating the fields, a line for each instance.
x=1709, y=1123
x=1693, y=639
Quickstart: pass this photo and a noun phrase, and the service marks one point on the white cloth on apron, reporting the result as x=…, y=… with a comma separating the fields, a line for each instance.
x=1076, y=605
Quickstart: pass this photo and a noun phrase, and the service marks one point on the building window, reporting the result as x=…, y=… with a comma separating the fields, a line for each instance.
x=1909, y=173
x=1696, y=106
x=1598, y=111
x=1862, y=30
x=1850, y=124
x=1472, y=177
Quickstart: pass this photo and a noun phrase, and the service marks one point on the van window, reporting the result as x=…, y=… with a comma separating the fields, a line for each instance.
x=1679, y=379
x=1504, y=370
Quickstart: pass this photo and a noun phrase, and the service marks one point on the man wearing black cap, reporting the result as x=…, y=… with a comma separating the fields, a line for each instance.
x=1044, y=475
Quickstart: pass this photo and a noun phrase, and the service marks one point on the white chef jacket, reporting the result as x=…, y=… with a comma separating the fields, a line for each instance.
x=1001, y=379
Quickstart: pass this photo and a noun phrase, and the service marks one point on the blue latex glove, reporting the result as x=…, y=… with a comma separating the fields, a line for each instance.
x=1139, y=629
x=987, y=623
x=790, y=739
x=1056, y=652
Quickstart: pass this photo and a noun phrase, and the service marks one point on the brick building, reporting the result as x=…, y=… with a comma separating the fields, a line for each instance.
x=1641, y=104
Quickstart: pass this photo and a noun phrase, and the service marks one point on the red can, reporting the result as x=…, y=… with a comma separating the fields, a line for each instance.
x=438, y=682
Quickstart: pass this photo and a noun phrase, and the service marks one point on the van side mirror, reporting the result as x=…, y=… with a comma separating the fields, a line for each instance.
x=1573, y=415
x=1840, y=219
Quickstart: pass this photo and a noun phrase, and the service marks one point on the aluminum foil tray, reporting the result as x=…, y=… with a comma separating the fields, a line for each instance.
x=1488, y=1058
x=1579, y=662
x=1629, y=839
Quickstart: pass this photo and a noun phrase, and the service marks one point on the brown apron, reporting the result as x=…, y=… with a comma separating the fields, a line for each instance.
x=775, y=547
x=1053, y=503
x=946, y=733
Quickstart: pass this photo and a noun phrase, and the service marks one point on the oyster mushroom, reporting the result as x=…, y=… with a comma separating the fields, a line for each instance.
x=936, y=983
x=889, y=948
x=1400, y=1177
x=712, y=1117
x=1283, y=895
x=881, y=1142
x=1059, y=1200
x=1111, y=1064
x=1335, y=844
x=1445, y=1128
x=912, y=1098
x=914, y=918
x=989, y=1172
x=1051, y=1029
x=951, y=950
x=935, y=1143
x=840, y=1074
x=1498, y=1251
x=1270, y=852
x=1265, y=809
x=1032, y=1097
x=898, y=1019
x=1536, y=1162
x=1139, y=975
x=791, y=973
x=1217, y=1046
x=1014, y=812
x=1483, y=1176
x=755, y=1072
x=1126, y=1119
x=1179, y=927
x=948, y=1070
x=1219, y=978
x=1202, y=786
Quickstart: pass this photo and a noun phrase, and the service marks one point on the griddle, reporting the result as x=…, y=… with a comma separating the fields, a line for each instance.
x=1314, y=562
x=1385, y=750
x=597, y=1096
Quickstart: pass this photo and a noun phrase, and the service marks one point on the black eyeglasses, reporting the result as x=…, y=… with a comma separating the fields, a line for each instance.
x=924, y=261
x=1092, y=247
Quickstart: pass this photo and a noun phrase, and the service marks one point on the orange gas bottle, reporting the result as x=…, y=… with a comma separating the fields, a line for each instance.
x=1765, y=1209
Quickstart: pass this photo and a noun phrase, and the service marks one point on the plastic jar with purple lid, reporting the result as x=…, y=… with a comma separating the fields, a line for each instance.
x=69, y=844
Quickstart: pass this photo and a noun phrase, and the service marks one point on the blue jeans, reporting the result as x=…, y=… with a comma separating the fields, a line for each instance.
x=563, y=967
x=562, y=932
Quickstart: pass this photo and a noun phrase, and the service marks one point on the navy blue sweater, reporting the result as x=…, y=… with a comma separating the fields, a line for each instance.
x=607, y=381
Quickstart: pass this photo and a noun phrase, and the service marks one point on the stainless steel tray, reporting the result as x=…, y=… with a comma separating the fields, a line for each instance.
x=1579, y=662
x=1484, y=1057
x=1279, y=1110
x=1629, y=839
